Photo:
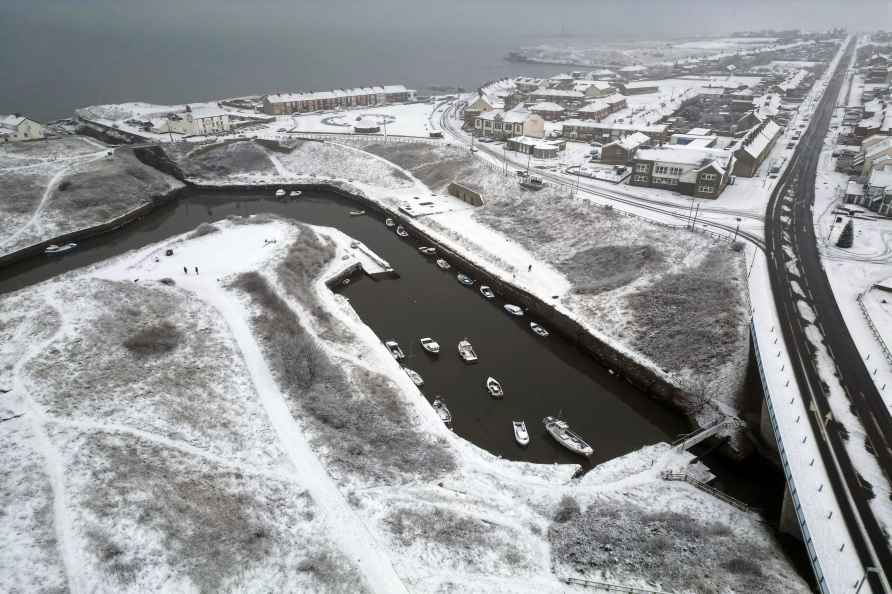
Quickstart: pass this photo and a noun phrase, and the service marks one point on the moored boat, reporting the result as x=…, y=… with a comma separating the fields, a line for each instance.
x=294, y=193
x=442, y=411
x=521, y=435
x=357, y=213
x=401, y=231
x=413, y=375
x=538, y=329
x=395, y=350
x=427, y=251
x=561, y=432
x=59, y=249
x=280, y=193
x=430, y=345
x=443, y=264
x=487, y=292
x=389, y=222
x=513, y=309
x=494, y=387
x=465, y=279
x=466, y=351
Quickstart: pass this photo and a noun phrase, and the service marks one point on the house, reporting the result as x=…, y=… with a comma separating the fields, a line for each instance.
x=563, y=97
x=616, y=102
x=594, y=89
x=16, y=127
x=548, y=110
x=288, y=103
x=702, y=137
x=620, y=152
x=752, y=150
x=790, y=84
x=507, y=124
x=201, y=121
x=699, y=172
x=603, y=132
x=878, y=192
x=477, y=106
x=538, y=148
x=873, y=148
x=596, y=110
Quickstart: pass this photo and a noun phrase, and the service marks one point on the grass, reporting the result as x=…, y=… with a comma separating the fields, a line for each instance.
x=202, y=230
x=221, y=160
x=361, y=421
x=604, y=268
x=567, y=509
x=154, y=339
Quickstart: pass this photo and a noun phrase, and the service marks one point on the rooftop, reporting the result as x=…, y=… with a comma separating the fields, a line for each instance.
x=546, y=106
x=684, y=155
x=335, y=93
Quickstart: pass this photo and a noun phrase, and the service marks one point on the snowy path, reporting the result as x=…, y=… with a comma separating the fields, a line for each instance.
x=347, y=528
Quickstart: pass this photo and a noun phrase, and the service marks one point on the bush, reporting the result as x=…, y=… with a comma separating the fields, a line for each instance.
x=567, y=509
x=154, y=339
x=847, y=236
x=741, y=566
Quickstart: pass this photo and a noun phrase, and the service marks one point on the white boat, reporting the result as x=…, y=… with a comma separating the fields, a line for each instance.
x=466, y=351
x=395, y=350
x=561, y=432
x=494, y=387
x=389, y=222
x=280, y=193
x=59, y=249
x=538, y=329
x=442, y=411
x=294, y=193
x=430, y=345
x=465, y=279
x=513, y=309
x=401, y=231
x=521, y=435
x=357, y=213
x=443, y=264
x=413, y=375
x=486, y=291
x=427, y=251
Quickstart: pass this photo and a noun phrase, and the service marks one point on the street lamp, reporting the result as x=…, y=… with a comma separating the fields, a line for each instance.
x=736, y=230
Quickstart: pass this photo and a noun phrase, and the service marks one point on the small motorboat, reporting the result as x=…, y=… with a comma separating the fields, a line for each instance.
x=521, y=435
x=486, y=291
x=294, y=193
x=395, y=350
x=561, y=432
x=427, y=251
x=513, y=309
x=389, y=222
x=280, y=193
x=345, y=282
x=430, y=345
x=413, y=375
x=465, y=279
x=442, y=411
x=59, y=249
x=443, y=264
x=538, y=329
x=357, y=213
x=466, y=351
x=401, y=231
x=494, y=387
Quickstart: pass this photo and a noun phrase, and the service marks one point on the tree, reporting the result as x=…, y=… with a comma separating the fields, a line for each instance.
x=847, y=236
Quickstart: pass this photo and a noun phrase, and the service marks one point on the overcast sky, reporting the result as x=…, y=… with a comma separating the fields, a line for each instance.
x=56, y=55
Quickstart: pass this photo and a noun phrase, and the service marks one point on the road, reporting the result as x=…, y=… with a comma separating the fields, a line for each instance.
x=793, y=200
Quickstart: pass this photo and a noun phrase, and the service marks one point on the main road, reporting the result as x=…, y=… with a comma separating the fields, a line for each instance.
x=789, y=224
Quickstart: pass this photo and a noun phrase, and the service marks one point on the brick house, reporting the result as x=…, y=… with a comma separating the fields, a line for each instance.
x=699, y=172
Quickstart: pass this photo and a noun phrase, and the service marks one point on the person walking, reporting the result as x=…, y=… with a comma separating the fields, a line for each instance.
x=185, y=271
x=530, y=268
x=196, y=270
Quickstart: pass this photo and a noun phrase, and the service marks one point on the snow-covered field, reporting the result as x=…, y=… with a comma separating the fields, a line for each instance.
x=411, y=119
x=170, y=438
x=53, y=187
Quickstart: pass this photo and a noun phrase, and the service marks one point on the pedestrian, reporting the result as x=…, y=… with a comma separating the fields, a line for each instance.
x=196, y=271
x=185, y=271
x=530, y=268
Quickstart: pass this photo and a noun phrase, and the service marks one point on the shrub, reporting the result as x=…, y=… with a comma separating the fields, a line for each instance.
x=567, y=509
x=154, y=339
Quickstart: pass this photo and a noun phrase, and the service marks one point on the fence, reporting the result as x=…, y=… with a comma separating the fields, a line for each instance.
x=873, y=328
x=679, y=476
x=608, y=587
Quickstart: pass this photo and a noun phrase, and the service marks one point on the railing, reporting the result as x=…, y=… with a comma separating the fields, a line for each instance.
x=873, y=328
x=680, y=476
x=788, y=475
x=608, y=587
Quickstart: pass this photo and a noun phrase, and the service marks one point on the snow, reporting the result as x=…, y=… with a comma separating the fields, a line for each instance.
x=126, y=464
x=410, y=119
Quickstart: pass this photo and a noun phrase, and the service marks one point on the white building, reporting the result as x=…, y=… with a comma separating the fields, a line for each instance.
x=507, y=124
x=201, y=121
x=15, y=127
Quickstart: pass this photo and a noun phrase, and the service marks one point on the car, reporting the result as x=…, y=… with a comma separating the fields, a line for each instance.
x=791, y=145
x=281, y=130
x=474, y=150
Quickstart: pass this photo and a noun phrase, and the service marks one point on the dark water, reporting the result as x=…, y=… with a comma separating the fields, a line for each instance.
x=540, y=376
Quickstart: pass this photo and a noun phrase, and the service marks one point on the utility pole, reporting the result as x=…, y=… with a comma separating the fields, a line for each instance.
x=736, y=230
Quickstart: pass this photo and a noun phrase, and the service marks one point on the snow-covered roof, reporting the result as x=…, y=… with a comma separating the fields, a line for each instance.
x=759, y=137
x=651, y=129
x=880, y=178
x=546, y=106
x=518, y=115
x=561, y=76
x=684, y=155
x=793, y=81
x=366, y=123
x=854, y=189
x=201, y=113
x=534, y=142
x=583, y=85
x=617, y=98
x=336, y=93
x=13, y=121
x=878, y=148
x=594, y=107
x=637, y=68
x=556, y=93
x=632, y=141
x=699, y=132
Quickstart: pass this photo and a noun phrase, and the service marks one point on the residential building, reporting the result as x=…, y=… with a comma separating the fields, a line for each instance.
x=616, y=102
x=596, y=110
x=791, y=84
x=16, y=127
x=752, y=150
x=507, y=124
x=563, y=97
x=548, y=110
x=699, y=172
x=603, y=132
x=873, y=148
x=594, y=89
x=537, y=147
x=875, y=195
x=477, y=106
x=201, y=121
x=620, y=152
x=288, y=103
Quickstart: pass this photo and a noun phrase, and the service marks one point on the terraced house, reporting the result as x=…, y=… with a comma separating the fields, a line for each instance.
x=695, y=171
x=287, y=103
x=508, y=124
